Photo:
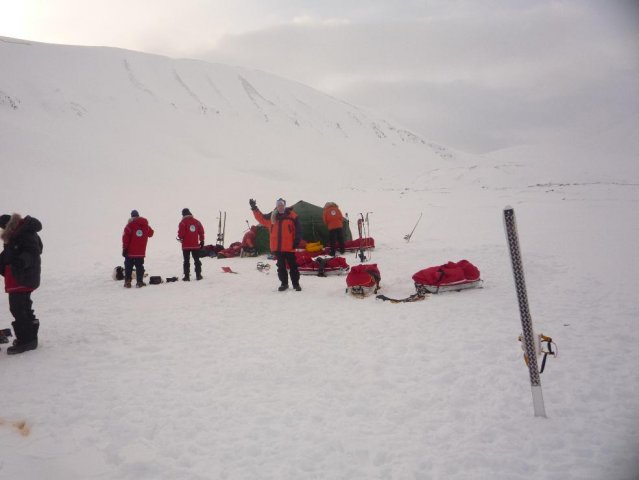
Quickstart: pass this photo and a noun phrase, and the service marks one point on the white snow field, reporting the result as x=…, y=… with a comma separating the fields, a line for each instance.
x=228, y=379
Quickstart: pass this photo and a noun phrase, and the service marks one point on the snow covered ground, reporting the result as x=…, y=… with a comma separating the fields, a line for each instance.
x=227, y=378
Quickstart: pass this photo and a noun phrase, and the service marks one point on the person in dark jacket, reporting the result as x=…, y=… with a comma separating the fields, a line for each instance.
x=20, y=266
x=191, y=235
x=285, y=235
x=134, y=239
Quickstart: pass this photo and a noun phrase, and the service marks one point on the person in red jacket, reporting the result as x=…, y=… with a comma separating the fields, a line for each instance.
x=248, y=242
x=286, y=233
x=334, y=221
x=20, y=265
x=191, y=235
x=134, y=239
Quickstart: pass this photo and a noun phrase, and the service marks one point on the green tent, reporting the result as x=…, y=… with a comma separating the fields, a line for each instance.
x=313, y=228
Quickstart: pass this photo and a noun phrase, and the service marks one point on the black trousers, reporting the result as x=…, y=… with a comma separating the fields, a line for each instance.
x=129, y=263
x=187, y=262
x=282, y=259
x=336, y=236
x=26, y=324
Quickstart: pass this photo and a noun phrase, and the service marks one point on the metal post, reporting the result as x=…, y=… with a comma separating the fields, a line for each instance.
x=526, y=321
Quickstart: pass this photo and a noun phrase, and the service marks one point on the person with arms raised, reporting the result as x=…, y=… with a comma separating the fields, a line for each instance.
x=285, y=235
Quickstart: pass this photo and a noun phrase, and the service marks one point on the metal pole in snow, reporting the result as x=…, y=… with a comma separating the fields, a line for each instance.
x=526, y=321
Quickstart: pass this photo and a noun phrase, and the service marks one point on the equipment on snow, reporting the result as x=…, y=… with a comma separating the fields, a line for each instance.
x=363, y=230
x=263, y=267
x=118, y=273
x=228, y=270
x=4, y=334
x=415, y=297
x=320, y=266
x=541, y=349
x=528, y=335
x=313, y=247
x=363, y=280
x=221, y=229
x=450, y=276
x=234, y=250
x=155, y=280
x=409, y=236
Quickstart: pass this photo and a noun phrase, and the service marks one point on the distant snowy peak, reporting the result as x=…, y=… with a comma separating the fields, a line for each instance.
x=63, y=80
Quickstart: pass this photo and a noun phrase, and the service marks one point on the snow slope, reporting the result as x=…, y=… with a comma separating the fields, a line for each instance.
x=227, y=378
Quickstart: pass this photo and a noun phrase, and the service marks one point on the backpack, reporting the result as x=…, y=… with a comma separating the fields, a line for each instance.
x=118, y=273
x=363, y=280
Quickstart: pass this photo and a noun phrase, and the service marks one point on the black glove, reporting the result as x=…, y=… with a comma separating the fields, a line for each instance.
x=202, y=244
x=124, y=252
x=253, y=204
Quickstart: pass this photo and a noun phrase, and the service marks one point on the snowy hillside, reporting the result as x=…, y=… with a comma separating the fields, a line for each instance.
x=131, y=130
x=227, y=378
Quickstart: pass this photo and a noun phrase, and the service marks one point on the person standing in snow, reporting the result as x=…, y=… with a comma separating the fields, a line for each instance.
x=334, y=221
x=134, y=239
x=20, y=266
x=286, y=233
x=191, y=235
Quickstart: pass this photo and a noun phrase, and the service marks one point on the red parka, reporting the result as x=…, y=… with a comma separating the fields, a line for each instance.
x=248, y=240
x=190, y=233
x=135, y=236
x=332, y=216
x=285, y=228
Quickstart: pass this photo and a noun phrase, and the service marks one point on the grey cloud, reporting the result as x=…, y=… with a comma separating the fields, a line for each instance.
x=474, y=79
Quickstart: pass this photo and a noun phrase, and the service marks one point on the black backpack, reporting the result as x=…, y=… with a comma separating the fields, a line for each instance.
x=118, y=273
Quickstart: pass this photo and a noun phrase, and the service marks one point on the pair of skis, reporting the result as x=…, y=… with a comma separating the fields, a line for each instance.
x=364, y=232
x=221, y=228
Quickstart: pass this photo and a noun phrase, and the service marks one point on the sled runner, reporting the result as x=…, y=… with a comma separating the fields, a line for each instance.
x=450, y=276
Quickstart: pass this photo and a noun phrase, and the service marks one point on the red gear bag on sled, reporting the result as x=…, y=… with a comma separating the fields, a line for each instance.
x=308, y=264
x=363, y=280
x=450, y=276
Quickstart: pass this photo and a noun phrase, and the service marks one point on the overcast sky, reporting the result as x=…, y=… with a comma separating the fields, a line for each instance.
x=477, y=75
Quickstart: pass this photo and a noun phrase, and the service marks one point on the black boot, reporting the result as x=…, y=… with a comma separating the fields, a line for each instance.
x=297, y=288
x=18, y=347
x=26, y=338
x=282, y=287
x=186, y=278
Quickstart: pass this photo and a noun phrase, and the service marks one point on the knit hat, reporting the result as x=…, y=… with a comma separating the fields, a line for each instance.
x=280, y=201
x=4, y=219
x=134, y=213
x=186, y=211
